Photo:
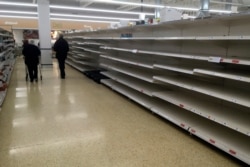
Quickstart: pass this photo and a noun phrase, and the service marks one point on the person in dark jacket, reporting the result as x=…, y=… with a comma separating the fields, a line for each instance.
x=61, y=47
x=31, y=55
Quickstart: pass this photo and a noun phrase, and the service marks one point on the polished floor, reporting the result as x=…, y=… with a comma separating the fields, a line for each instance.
x=78, y=123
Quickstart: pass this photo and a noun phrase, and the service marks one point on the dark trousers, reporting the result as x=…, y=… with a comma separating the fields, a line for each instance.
x=32, y=68
x=61, y=63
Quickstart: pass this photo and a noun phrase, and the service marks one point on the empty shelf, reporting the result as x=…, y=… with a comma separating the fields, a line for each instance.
x=143, y=100
x=127, y=61
x=231, y=95
x=174, y=68
x=242, y=61
x=230, y=141
x=141, y=86
x=140, y=74
x=2, y=96
x=222, y=137
x=176, y=55
x=225, y=74
x=86, y=49
x=78, y=67
x=232, y=118
x=88, y=43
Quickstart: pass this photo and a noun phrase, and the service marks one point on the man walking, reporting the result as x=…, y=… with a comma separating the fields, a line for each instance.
x=61, y=48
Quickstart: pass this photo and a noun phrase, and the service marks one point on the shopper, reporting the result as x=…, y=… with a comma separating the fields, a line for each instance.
x=61, y=48
x=31, y=55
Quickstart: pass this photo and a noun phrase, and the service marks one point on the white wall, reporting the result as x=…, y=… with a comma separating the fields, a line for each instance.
x=18, y=36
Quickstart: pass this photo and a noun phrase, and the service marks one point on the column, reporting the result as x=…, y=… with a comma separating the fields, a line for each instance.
x=204, y=8
x=157, y=10
x=44, y=28
x=229, y=5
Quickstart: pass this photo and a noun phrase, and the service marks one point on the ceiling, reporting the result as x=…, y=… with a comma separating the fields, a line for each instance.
x=106, y=5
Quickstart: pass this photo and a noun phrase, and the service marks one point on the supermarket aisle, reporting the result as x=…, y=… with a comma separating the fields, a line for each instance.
x=78, y=123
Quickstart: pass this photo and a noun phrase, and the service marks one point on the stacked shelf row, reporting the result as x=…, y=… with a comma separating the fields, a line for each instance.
x=193, y=73
x=7, y=60
x=83, y=56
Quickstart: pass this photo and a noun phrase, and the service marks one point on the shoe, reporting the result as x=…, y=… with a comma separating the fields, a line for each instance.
x=31, y=81
x=36, y=80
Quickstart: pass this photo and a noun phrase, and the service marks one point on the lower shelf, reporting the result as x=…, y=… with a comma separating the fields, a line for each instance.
x=232, y=142
x=95, y=75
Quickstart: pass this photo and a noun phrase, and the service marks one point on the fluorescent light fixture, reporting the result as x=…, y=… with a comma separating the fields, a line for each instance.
x=18, y=4
x=66, y=15
x=220, y=11
x=112, y=11
x=91, y=17
x=183, y=8
x=97, y=10
x=18, y=12
x=131, y=3
x=97, y=21
x=79, y=20
x=196, y=9
x=18, y=17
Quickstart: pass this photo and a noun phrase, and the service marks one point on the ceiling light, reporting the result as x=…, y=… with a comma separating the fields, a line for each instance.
x=91, y=17
x=97, y=10
x=18, y=12
x=66, y=15
x=131, y=3
x=79, y=20
x=183, y=8
x=98, y=21
x=19, y=17
x=220, y=11
x=18, y=4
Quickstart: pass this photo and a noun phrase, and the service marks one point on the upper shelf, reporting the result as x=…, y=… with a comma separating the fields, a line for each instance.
x=240, y=61
x=87, y=43
x=127, y=61
x=180, y=69
x=225, y=74
x=187, y=38
x=176, y=55
x=87, y=49
x=137, y=73
x=224, y=93
x=240, y=37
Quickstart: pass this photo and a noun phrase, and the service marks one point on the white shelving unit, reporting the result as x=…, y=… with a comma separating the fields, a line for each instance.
x=7, y=60
x=194, y=73
x=228, y=94
x=83, y=56
x=136, y=84
x=239, y=76
x=208, y=109
x=133, y=72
